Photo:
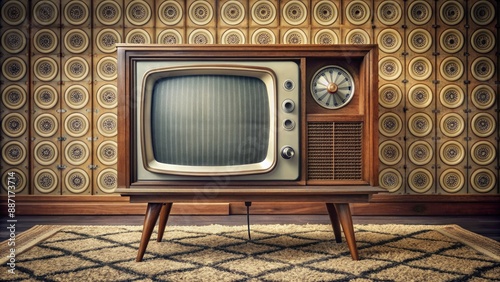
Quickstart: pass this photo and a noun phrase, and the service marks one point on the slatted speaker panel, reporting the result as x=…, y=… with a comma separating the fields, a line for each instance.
x=438, y=89
x=334, y=151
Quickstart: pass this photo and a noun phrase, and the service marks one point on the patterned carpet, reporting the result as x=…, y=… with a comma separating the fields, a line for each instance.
x=275, y=253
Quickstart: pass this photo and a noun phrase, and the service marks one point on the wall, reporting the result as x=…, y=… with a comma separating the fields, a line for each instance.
x=438, y=81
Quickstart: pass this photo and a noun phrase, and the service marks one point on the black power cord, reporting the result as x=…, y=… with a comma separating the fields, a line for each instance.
x=248, y=204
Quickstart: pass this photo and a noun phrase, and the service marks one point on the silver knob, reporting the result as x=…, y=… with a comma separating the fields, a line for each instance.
x=287, y=152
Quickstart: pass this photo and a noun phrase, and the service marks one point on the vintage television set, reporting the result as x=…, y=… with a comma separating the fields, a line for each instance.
x=247, y=123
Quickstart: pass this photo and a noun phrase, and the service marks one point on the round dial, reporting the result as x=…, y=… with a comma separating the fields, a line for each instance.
x=332, y=87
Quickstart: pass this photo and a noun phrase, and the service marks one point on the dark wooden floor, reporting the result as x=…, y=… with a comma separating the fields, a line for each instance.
x=488, y=226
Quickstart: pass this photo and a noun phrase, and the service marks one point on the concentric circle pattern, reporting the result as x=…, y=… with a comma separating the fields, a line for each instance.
x=326, y=36
x=45, y=41
x=451, y=12
x=45, y=12
x=420, y=40
x=389, y=40
x=483, y=68
x=107, y=180
x=107, y=68
x=294, y=12
x=420, y=180
x=420, y=68
x=389, y=96
x=452, y=180
x=138, y=12
x=233, y=12
x=420, y=96
x=420, y=152
x=46, y=125
x=390, y=152
x=76, y=68
x=76, y=152
x=107, y=124
x=233, y=36
x=13, y=40
x=451, y=68
x=483, y=12
x=358, y=12
x=107, y=152
x=170, y=36
x=106, y=40
x=451, y=96
x=46, y=181
x=14, y=97
x=419, y=12
x=18, y=180
x=77, y=181
x=389, y=12
x=452, y=152
x=483, y=41
x=357, y=36
x=451, y=41
x=108, y=12
x=13, y=12
x=76, y=125
x=45, y=68
x=76, y=41
x=138, y=36
x=452, y=124
x=263, y=36
x=107, y=96
x=483, y=152
x=170, y=12
x=200, y=12
x=390, y=124
x=76, y=12
x=14, y=68
x=483, y=124
x=46, y=153
x=201, y=37
x=76, y=96
x=420, y=124
x=325, y=12
x=483, y=180
x=483, y=97
x=390, y=68
x=263, y=12
x=390, y=179
x=295, y=36
x=14, y=125
x=46, y=97
x=14, y=153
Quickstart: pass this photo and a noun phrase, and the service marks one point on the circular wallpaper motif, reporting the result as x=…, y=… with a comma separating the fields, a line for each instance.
x=46, y=97
x=483, y=152
x=170, y=36
x=45, y=69
x=13, y=153
x=263, y=12
x=76, y=96
x=451, y=40
x=138, y=12
x=107, y=96
x=420, y=152
x=483, y=68
x=77, y=181
x=420, y=180
x=263, y=36
x=14, y=97
x=358, y=12
x=390, y=179
x=389, y=40
x=106, y=40
x=76, y=69
x=232, y=12
x=295, y=36
x=107, y=68
x=451, y=180
x=390, y=68
x=420, y=40
x=295, y=12
x=170, y=12
x=13, y=41
x=451, y=96
x=108, y=12
x=420, y=96
x=483, y=180
x=325, y=12
x=76, y=125
x=390, y=124
x=420, y=124
x=326, y=37
x=483, y=124
x=483, y=97
x=200, y=12
x=45, y=41
x=451, y=12
x=45, y=12
x=107, y=180
x=357, y=36
x=452, y=152
x=76, y=152
x=420, y=68
x=13, y=12
x=483, y=41
x=451, y=69
x=76, y=12
x=46, y=125
x=14, y=125
x=452, y=124
x=107, y=152
x=390, y=152
x=14, y=68
x=107, y=125
x=483, y=12
x=19, y=180
x=46, y=153
x=233, y=36
x=389, y=96
x=76, y=41
x=389, y=12
x=46, y=181
x=138, y=36
x=201, y=36
x=419, y=12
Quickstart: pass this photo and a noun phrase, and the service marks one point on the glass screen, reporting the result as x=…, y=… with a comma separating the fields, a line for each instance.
x=210, y=120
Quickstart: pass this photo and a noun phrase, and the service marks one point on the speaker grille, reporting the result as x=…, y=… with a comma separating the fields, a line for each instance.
x=335, y=151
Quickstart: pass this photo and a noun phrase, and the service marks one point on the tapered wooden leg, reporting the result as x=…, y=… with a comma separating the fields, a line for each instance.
x=150, y=219
x=345, y=218
x=162, y=223
x=334, y=219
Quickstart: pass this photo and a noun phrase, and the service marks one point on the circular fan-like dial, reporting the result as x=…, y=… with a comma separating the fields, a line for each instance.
x=332, y=87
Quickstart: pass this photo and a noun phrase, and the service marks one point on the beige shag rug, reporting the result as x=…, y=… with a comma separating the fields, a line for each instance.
x=275, y=253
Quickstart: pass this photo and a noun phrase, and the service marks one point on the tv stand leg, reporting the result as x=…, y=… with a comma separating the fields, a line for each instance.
x=150, y=219
x=345, y=218
x=162, y=223
x=334, y=219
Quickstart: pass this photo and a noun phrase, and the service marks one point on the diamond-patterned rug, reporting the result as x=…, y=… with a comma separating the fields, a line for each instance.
x=275, y=253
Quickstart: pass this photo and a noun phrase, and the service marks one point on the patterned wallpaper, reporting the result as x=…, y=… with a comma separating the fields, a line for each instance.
x=438, y=71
